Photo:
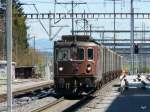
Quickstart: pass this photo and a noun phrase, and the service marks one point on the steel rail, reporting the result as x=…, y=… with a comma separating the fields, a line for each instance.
x=73, y=106
x=26, y=89
x=48, y=105
x=87, y=98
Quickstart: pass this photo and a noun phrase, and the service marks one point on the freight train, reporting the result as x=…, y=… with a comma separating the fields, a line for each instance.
x=81, y=64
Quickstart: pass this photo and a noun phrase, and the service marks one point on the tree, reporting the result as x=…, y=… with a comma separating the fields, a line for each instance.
x=21, y=52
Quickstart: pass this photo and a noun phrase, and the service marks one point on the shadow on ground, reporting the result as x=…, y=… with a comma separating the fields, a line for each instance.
x=131, y=101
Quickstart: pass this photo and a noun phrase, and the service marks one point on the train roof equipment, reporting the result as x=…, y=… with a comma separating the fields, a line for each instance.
x=69, y=38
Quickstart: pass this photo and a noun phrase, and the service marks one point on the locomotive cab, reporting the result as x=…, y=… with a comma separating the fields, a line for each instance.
x=74, y=64
x=81, y=64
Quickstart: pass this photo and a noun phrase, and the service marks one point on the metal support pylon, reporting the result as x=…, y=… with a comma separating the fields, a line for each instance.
x=9, y=54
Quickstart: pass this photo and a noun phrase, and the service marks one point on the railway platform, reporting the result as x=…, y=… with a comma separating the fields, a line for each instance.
x=25, y=86
x=134, y=99
x=129, y=101
x=135, y=82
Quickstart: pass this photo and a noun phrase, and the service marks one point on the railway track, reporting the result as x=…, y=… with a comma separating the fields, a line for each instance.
x=26, y=88
x=69, y=105
x=49, y=105
x=89, y=98
x=61, y=104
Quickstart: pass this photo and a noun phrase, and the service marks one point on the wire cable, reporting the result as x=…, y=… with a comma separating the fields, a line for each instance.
x=41, y=21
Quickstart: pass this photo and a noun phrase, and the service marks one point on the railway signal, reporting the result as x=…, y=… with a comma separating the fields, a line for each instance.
x=136, y=48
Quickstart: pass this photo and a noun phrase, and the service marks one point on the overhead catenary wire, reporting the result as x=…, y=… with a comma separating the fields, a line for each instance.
x=58, y=31
x=55, y=22
x=40, y=2
x=48, y=33
x=38, y=19
x=41, y=21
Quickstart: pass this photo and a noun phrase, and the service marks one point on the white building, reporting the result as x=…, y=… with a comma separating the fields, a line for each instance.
x=3, y=69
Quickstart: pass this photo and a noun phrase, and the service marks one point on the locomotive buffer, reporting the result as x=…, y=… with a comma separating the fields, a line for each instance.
x=135, y=82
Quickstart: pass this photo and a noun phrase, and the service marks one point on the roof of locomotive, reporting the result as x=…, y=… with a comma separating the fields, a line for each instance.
x=68, y=39
x=77, y=38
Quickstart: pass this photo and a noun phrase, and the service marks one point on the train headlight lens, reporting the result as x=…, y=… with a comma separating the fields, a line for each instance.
x=89, y=68
x=61, y=68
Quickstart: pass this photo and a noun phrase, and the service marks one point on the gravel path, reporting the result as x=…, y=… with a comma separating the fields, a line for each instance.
x=105, y=91
x=27, y=105
x=33, y=105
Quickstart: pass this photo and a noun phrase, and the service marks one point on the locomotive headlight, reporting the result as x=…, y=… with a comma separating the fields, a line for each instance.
x=89, y=68
x=61, y=68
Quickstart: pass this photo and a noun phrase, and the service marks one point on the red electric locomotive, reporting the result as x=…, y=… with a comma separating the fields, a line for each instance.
x=81, y=64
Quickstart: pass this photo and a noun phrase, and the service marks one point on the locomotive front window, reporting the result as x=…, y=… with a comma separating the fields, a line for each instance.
x=77, y=53
x=90, y=54
x=62, y=54
x=80, y=54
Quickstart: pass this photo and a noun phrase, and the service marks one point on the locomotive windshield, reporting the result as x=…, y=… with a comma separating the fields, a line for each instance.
x=90, y=54
x=62, y=54
x=77, y=54
x=80, y=54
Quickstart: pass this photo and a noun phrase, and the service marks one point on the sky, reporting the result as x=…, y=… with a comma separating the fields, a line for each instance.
x=45, y=6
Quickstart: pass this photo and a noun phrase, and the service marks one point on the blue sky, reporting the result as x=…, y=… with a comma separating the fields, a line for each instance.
x=42, y=39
